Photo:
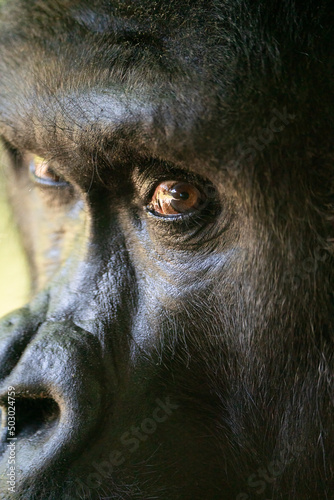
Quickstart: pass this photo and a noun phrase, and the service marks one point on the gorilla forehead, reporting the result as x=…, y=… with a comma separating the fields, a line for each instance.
x=156, y=77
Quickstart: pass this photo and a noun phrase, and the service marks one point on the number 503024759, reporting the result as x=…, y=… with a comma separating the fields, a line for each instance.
x=11, y=411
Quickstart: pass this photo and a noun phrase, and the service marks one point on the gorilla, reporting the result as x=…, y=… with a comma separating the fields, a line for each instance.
x=170, y=168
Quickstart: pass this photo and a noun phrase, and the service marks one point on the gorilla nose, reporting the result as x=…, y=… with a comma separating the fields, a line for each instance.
x=51, y=395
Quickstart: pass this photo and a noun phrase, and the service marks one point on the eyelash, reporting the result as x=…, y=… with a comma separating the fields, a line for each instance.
x=46, y=182
x=194, y=217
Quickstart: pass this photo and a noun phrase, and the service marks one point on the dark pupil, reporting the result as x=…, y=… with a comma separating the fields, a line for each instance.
x=184, y=195
x=180, y=196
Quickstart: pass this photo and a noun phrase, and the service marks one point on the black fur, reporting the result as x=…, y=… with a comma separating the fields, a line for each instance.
x=212, y=332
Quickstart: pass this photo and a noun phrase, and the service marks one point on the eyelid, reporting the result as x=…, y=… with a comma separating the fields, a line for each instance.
x=44, y=181
x=147, y=176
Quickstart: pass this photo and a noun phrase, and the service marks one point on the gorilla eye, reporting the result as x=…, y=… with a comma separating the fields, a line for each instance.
x=43, y=173
x=174, y=198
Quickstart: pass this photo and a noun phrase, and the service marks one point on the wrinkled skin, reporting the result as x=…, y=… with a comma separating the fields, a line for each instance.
x=184, y=357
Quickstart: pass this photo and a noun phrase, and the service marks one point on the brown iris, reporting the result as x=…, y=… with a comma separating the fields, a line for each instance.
x=174, y=198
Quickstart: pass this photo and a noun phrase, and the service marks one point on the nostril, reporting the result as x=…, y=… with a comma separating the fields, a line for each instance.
x=35, y=416
x=57, y=408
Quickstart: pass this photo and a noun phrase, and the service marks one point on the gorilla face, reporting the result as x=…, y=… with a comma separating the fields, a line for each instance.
x=170, y=166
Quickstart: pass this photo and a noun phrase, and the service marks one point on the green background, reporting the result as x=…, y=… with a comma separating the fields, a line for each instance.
x=13, y=268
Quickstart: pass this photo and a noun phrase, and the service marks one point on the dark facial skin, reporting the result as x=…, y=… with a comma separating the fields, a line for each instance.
x=183, y=355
